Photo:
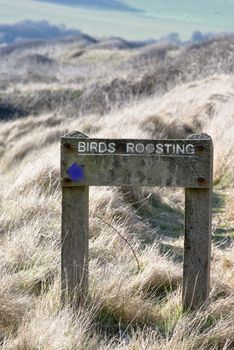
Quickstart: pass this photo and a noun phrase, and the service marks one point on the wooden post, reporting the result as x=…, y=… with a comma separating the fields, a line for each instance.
x=75, y=240
x=197, y=243
x=74, y=264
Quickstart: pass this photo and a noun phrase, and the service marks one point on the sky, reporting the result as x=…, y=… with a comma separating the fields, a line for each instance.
x=154, y=19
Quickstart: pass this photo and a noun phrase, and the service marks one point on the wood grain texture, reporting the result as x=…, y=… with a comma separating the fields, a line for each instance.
x=192, y=171
x=75, y=236
x=197, y=241
x=197, y=247
x=121, y=169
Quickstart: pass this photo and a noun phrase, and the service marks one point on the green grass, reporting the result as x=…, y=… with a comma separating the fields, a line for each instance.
x=160, y=17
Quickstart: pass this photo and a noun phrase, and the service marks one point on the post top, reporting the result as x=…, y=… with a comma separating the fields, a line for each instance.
x=79, y=135
x=76, y=134
x=200, y=136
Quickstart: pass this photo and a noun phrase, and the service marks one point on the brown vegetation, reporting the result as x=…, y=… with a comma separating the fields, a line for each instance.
x=126, y=308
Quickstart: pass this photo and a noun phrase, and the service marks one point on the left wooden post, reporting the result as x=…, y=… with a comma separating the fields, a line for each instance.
x=74, y=240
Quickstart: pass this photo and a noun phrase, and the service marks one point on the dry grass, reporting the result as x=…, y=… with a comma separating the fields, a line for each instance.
x=126, y=308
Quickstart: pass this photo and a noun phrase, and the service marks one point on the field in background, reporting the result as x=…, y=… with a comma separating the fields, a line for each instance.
x=159, y=18
x=109, y=89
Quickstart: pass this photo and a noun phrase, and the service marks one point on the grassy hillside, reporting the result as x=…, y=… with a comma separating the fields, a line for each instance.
x=108, y=89
x=131, y=19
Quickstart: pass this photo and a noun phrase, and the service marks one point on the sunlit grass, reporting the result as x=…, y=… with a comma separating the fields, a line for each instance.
x=130, y=305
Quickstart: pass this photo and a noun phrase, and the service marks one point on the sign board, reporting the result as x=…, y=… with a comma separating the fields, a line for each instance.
x=128, y=162
x=99, y=162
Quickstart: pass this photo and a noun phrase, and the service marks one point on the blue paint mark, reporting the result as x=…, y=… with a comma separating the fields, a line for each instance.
x=76, y=172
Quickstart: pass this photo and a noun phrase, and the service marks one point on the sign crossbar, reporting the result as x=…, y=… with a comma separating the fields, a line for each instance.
x=184, y=163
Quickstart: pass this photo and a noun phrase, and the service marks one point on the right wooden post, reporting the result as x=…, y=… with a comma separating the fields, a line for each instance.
x=197, y=243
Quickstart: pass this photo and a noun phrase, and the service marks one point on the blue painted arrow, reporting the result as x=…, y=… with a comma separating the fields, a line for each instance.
x=76, y=172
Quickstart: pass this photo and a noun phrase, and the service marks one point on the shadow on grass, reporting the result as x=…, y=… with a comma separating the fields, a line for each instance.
x=176, y=253
x=218, y=202
x=168, y=223
x=160, y=217
x=222, y=234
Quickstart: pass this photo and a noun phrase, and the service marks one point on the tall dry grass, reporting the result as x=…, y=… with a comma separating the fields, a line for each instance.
x=126, y=308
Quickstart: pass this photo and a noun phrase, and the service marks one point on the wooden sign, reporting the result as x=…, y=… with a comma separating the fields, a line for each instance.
x=108, y=162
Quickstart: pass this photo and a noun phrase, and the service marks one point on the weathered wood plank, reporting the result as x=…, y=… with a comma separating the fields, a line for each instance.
x=74, y=256
x=197, y=247
x=174, y=147
x=197, y=241
x=172, y=166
